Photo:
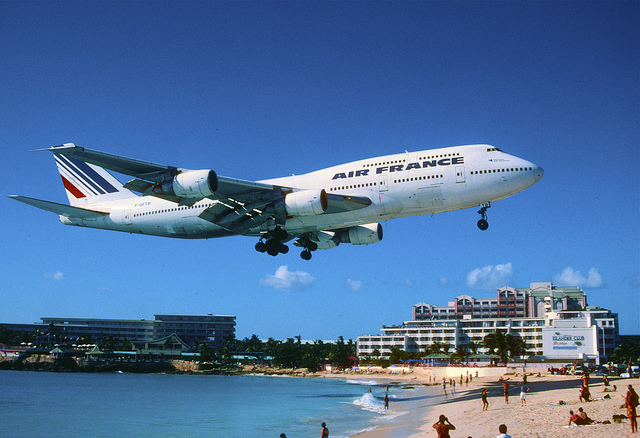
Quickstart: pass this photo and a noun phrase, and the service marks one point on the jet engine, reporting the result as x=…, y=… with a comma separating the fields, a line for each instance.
x=362, y=234
x=306, y=202
x=191, y=184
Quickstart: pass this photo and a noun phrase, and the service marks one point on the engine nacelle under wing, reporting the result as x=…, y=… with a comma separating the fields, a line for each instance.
x=306, y=202
x=362, y=234
x=193, y=184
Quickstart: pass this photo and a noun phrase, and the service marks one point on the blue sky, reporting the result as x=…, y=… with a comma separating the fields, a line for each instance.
x=256, y=90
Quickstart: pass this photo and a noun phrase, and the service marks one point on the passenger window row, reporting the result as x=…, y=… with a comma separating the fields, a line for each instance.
x=167, y=210
x=512, y=169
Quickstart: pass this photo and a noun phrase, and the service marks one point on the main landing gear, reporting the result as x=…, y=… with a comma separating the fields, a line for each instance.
x=482, y=223
x=308, y=245
x=272, y=244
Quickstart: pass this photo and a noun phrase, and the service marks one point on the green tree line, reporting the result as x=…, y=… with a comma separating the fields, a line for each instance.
x=291, y=353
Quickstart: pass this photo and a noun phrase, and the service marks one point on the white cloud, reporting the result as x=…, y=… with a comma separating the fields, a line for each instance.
x=354, y=285
x=489, y=277
x=570, y=277
x=56, y=276
x=286, y=280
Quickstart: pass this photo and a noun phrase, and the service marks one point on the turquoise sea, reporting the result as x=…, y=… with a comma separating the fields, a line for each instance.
x=45, y=404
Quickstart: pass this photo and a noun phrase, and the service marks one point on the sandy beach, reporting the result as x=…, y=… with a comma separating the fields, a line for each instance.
x=542, y=417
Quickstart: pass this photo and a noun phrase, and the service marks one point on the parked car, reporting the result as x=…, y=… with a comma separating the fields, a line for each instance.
x=635, y=372
x=602, y=372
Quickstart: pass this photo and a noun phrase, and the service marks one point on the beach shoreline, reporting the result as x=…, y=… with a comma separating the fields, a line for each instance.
x=544, y=416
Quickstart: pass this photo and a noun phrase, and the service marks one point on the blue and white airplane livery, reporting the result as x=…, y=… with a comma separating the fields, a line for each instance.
x=318, y=210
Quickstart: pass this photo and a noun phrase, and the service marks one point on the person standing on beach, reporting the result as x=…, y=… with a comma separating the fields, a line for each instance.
x=444, y=386
x=523, y=394
x=485, y=403
x=442, y=428
x=506, y=392
x=503, y=431
x=630, y=402
x=325, y=431
x=585, y=394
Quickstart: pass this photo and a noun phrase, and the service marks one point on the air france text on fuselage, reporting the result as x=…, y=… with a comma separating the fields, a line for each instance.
x=400, y=167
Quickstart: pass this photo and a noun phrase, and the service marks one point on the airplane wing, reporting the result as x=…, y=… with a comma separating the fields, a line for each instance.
x=241, y=205
x=61, y=209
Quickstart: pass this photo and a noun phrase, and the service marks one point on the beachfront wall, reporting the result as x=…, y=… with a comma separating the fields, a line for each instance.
x=594, y=331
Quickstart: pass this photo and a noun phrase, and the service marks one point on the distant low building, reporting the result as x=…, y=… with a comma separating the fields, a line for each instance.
x=555, y=322
x=212, y=330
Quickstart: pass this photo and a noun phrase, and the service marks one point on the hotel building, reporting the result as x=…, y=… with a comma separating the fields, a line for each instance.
x=555, y=322
x=210, y=329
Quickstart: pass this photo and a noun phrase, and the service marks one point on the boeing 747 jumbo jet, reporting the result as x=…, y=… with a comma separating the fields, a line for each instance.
x=318, y=210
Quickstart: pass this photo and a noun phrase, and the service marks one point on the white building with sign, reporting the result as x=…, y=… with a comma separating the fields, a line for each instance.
x=555, y=322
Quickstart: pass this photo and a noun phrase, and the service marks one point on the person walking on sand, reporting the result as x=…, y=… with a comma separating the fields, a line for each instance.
x=325, y=431
x=444, y=386
x=503, y=431
x=485, y=403
x=631, y=402
x=443, y=426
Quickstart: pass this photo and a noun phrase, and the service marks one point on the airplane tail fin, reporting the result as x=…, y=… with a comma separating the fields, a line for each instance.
x=87, y=183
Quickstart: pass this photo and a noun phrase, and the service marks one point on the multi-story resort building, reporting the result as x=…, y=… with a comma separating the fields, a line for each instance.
x=555, y=322
x=212, y=330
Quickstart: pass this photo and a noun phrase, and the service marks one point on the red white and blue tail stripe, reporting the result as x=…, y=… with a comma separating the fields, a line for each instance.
x=85, y=182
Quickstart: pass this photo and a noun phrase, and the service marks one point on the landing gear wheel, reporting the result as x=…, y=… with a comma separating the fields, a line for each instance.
x=261, y=247
x=482, y=223
x=305, y=255
x=284, y=248
x=273, y=247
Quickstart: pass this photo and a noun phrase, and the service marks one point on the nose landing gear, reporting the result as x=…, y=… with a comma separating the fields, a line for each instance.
x=482, y=223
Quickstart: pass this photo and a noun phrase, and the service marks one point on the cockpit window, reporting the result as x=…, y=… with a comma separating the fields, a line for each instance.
x=493, y=149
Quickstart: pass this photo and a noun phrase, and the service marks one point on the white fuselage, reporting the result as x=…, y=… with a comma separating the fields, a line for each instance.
x=407, y=184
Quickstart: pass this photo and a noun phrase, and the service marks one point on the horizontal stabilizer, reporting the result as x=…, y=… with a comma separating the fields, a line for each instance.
x=127, y=166
x=61, y=209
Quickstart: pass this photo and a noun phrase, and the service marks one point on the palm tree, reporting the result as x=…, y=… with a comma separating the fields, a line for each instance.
x=473, y=347
x=434, y=348
x=505, y=345
x=460, y=354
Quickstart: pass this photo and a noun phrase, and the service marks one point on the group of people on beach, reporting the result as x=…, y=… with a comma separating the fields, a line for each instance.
x=443, y=426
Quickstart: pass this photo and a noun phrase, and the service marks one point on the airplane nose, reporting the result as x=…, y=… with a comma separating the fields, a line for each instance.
x=538, y=173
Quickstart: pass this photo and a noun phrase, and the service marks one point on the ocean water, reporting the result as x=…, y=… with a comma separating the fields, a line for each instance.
x=44, y=404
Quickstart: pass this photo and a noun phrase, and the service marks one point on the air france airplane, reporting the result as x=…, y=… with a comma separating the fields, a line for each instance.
x=318, y=210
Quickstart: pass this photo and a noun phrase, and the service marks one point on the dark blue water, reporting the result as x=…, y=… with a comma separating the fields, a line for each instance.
x=43, y=404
